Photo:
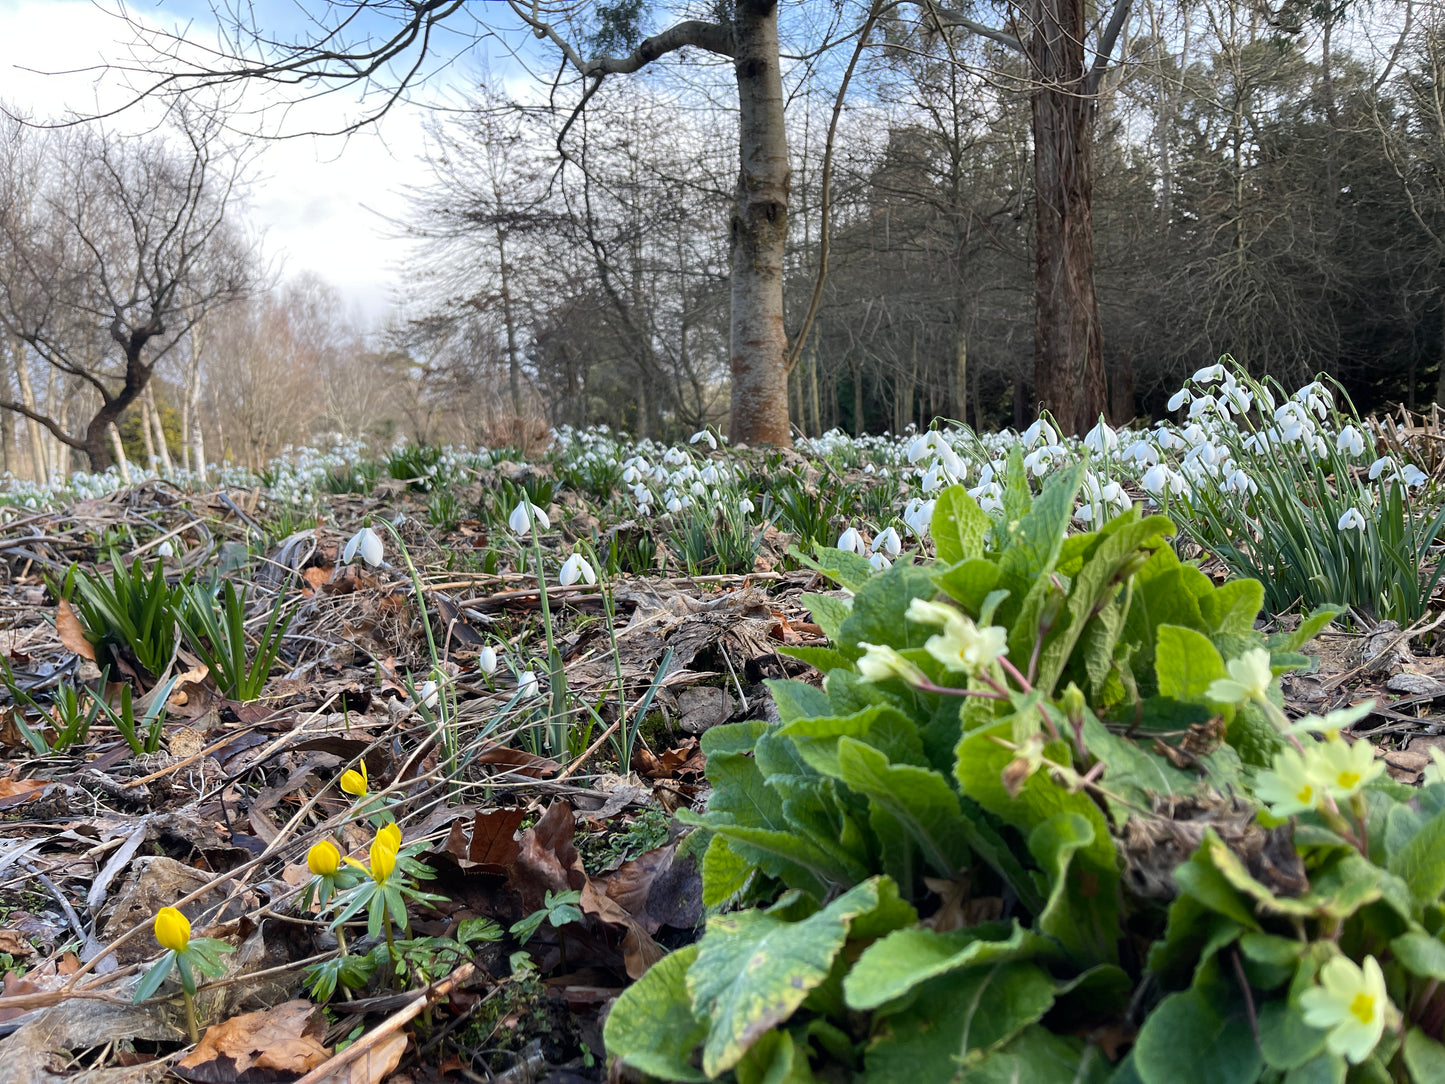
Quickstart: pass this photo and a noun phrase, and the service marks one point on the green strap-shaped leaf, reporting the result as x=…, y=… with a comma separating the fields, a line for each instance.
x=754, y=969
x=652, y=1027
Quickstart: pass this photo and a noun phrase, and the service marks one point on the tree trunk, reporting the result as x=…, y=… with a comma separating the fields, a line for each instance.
x=137, y=376
x=162, y=446
x=1068, y=341
x=152, y=462
x=39, y=469
x=759, y=407
x=116, y=446
x=514, y=359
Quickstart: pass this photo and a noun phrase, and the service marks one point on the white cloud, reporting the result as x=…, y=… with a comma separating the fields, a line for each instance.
x=320, y=202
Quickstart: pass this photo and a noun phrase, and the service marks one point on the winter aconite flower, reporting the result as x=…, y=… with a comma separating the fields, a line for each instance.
x=1250, y=678
x=880, y=662
x=383, y=853
x=173, y=929
x=354, y=782
x=1351, y=1004
x=576, y=568
x=323, y=859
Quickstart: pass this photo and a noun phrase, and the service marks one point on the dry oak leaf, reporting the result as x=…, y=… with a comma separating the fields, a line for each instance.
x=284, y=1038
x=72, y=632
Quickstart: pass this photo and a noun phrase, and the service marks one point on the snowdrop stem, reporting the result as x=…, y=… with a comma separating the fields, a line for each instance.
x=556, y=722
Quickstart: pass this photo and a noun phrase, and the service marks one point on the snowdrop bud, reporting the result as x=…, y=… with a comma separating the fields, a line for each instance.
x=1209, y=374
x=575, y=568
x=1156, y=479
x=527, y=684
x=365, y=542
x=888, y=542
x=428, y=694
x=703, y=434
x=487, y=660
x=674, y=504
x=518, y=519
x=1101, y=438
x=851, y=540
x=1379, y=465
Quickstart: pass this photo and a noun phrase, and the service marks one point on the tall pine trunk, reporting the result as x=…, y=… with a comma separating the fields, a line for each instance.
x=759, y=407
x=1068, y=341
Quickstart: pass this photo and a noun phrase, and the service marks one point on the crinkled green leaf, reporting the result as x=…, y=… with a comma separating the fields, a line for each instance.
x=1188, y=1040
x=652, y=1027
x=1232, y=607
x=1186, y=662
x=1421, y=861
x=969, y=583
x=885, y=728
x=1038, y=1056
x=880, y=608
x=1082, y=913
x=902, y=961
x=959, y=527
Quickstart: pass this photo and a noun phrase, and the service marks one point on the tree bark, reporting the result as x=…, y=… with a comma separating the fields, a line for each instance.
x=39, y=469
x=162, y=446
x=1068, y=341
x=759, y=405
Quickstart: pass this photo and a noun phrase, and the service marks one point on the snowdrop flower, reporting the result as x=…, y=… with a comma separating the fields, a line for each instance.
x=428, y=694
x=1101, y=438
x=1178, y=399
x=950, y=461
x=644, y=509
x=888, y=542
x=746, y=506
x=165, y=549
x=1239, y=399
x=918, y=515
x=1351, y=520
x=1209, y=374
x=1379, y=466
x=674, y=504
x=1156, y=479
x=527, y=685
x=487, y=660
x=1202, y=406
x=1352, y=1005
x=1239, y=482
x=576, y=568
x=1038, y=461
x=709, y=474
x=698, y=489
x=1040, y=431
x=1316, y=397
x=878, y=562
x=1141, y=452
x=1413, y=476
x=518, y=519
x=850, y=540
x=1350, y=441
x=703, y=434
x=365, y=542
x=675, y=457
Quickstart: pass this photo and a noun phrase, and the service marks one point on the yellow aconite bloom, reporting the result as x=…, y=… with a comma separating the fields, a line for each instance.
x=394, y=831
x=173, y=930
x=354, y=782
x=323, y=859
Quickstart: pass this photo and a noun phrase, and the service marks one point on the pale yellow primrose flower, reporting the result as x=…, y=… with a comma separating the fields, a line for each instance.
x=1435, y=770
x=962, y=646
x=880, y=662
x=1344, y=769
x=1291, y=787
x=1352, y=1005
x=1332, y=723
x=1249, y=679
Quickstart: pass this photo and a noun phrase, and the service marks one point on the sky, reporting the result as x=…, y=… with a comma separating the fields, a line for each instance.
x=322, y=204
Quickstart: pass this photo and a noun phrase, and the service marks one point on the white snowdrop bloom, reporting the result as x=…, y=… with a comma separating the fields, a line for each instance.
x=576, y=568
x=918, y=515
x=1322, y=447
x=1038, y=461
x=888, y=542
x=528, y=685
x=698, y=489
x=1202, y=406
x=1040, y=431
x=1101, y=438
x=1084, y=513
x=870, y=469
x=644, y=509
x=1156, y=479
x=1351, y=520
x=1350, y=441
x=879, y=562
x=365, y=542
x=1178, y=399
x=932, y=479
x=674, y=504
x=950, y=461
x=850, y=540
x=919, y=447
x=1171, y=441
x=709, y=474
x=990, y=502
x=1413, y=476
x=1239, y=482
x=746, y=506
x=1210, y=374
x=487, y=660
x=704, y=435
x=1193, y=434
x=1141, y=452
x=674, y=457
x=518, y=519
x=165, y=549
x=1380, y=465
x=1315, y=397
x=428, y=694
x=986, y=475
x=1239, y=399
x=1113, y=493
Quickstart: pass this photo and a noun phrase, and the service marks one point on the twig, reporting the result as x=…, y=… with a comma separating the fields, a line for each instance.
x=392, y=1024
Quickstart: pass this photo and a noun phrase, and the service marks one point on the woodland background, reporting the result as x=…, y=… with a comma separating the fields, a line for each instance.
x=1270, y=183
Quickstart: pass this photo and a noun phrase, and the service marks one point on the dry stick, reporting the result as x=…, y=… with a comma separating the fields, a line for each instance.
x=392, y=1024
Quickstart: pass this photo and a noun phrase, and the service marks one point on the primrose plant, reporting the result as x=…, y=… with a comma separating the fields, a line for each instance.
x=1048, y=792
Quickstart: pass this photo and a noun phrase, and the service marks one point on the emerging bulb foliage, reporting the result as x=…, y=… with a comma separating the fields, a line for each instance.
x=172, y=929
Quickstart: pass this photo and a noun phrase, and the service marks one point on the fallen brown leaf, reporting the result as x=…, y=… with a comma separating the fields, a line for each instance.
x=284, y=1038
x=72, y=632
